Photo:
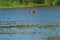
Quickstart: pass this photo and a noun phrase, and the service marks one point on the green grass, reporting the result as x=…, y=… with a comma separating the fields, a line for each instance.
x=20, y=6
x=17, y=5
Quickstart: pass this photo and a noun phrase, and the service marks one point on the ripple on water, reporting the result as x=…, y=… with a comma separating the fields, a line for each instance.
x=28, y=33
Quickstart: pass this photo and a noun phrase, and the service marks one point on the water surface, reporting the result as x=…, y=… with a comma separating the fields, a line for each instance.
x=42, y=16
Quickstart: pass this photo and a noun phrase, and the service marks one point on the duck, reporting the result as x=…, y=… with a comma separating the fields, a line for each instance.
x=33, y=12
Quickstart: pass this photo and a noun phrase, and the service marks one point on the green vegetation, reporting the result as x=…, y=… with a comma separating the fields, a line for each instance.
x=18, y=26
x=53, y=38
x=27, y=3
x=29, y=26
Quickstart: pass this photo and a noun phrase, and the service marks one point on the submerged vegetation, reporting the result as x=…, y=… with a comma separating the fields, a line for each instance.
x=27, y=3
x=53, y=38
x=29, y=26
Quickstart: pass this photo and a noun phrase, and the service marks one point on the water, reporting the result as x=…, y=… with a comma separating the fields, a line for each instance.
x=28, y=33
x=42, y=16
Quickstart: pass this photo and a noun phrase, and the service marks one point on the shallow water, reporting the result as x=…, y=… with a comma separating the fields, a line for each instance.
x=28, y=33
x=42, y=16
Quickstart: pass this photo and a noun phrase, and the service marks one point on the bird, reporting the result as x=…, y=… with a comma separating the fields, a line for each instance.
x=33, y=12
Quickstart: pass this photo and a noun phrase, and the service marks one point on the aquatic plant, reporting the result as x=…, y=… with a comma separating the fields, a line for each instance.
x=53, y=38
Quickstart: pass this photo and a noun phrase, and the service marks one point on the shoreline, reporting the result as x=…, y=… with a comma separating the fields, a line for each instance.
x=26, y=6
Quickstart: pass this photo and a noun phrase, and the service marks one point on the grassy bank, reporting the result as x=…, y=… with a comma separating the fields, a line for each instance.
x=28, y=6
x=27, y=3
x=23, y=6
